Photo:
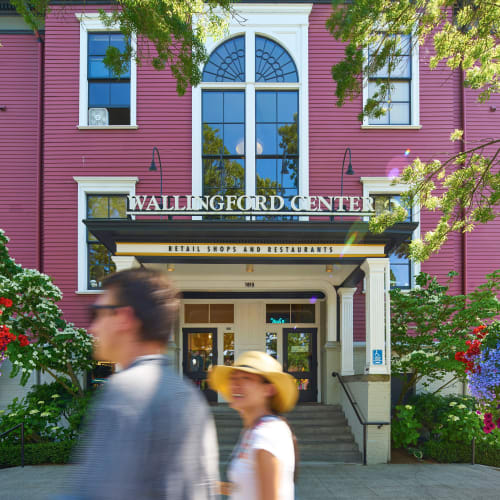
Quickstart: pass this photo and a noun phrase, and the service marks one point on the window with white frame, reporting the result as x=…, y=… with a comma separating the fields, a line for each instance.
x=98, y=197
x=106, y=100
x=387, y=197
x=250, y=111
x=401, y=103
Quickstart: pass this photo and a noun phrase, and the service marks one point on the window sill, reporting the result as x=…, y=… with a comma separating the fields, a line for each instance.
x=107, y=127
x=391, y=127
x=89, y=292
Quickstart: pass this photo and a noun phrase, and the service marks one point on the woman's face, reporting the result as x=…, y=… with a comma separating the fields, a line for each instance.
x=249, y=391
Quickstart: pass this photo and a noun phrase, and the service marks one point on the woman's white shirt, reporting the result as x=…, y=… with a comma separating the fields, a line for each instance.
x=270, y=434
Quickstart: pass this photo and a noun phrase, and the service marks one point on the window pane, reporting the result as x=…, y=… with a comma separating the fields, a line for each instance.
x=196, y=313
x=120, y=94
x=272, y=344
x=212, y=107
x=212, y=139
x=226, y=62
x=400, y=113
x=117, y=40
x=382, y=120
x=100, y=264
x=99, y=94
x=98, y=43
x=97, y=69
x=266, y=106
x=272, y=62
x=287, y=139
x=287, y=106
x=277, y=313
x=400, y=275
x=299, y=347
x=404, y=44
x=402, y=68
x=234, y=107
x=119, y=116
x=97, y=207
x=400, y=91
x=229, y=348
x=117, y=207
x=221, y=313
x=303, y=313
x=234, y=139
x=267, y=139
x=266, y=172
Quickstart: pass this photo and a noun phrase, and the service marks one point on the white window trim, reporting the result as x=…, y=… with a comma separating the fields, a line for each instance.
x=277, y=22
x=414, y=94
x=95, y=185
x=91, y=22
x=384, y=185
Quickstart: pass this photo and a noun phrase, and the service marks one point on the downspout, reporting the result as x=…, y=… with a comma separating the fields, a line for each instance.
x=39, y=176
x=463, y=147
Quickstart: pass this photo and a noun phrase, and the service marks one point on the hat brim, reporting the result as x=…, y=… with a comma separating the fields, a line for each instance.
x=283, y=401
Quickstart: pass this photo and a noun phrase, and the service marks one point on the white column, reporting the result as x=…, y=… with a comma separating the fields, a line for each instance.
x=377, y=313
x=346, y=330
x=123, y=262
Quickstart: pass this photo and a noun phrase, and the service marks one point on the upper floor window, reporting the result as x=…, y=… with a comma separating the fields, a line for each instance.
x=108, y=94
x=106, y=99
x=250, y=134
x=400, y=264
x=401, y=102
x=102, y=206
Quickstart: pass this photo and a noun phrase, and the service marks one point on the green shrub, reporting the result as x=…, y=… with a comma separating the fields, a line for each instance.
x=49, y=413
x=487, y=452
x=36, y=454
x=404, y=427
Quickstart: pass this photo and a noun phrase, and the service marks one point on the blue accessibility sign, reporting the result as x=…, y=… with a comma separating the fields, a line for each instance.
x=377, y=356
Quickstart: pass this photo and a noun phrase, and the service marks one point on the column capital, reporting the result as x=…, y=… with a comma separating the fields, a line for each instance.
x=346, y=291
x=374, y=264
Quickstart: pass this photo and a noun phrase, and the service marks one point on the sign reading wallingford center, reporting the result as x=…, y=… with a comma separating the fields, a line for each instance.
x=249, y=205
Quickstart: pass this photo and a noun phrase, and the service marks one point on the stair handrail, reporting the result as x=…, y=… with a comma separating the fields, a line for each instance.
x=22, y=438
x=357, y=411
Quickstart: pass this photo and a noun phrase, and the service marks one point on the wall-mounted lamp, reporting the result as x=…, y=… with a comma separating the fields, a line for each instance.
x=350, y=170
x=170, y=267
x=249, y=268
x=329, y=268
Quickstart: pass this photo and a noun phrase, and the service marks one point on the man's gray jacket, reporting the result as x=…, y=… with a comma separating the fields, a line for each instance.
x=150, y=436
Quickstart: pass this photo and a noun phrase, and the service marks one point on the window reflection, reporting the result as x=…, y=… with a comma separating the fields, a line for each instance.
x=272, y=344
x=277, y=153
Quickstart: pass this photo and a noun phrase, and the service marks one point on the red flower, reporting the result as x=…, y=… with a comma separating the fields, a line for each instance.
x=5, y=302
x=459, y=356
x=480, y=332
x=23, y=340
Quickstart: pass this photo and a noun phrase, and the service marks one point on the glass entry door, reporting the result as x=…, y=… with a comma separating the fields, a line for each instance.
x=199, y=353
x=300, y=360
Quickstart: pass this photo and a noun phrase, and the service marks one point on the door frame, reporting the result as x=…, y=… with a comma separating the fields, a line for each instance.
x=314, y=349
x=209, y=394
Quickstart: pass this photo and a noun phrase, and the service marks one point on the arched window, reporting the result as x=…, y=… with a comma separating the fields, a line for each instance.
x=250, y=133
x=227, y=62
x=272, y=62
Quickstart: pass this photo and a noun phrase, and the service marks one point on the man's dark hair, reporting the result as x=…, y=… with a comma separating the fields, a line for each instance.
x=152, y=296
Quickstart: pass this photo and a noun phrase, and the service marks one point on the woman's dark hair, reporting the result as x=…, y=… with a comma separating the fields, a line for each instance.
x=153, y=298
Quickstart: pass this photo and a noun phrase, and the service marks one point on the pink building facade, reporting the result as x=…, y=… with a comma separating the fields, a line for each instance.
x=76, y=142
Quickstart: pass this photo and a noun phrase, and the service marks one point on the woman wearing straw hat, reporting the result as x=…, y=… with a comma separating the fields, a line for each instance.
x=263, y=462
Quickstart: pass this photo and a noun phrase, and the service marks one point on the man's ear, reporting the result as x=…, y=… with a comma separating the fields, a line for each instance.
x=129, y=321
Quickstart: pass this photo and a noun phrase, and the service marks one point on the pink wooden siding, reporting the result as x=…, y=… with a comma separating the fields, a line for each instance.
x=164, y=121
x=19, y=84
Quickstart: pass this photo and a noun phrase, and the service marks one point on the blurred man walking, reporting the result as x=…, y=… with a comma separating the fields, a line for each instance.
x=151, y=434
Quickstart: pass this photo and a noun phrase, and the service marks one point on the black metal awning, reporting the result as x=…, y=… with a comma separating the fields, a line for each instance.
x=111, y=231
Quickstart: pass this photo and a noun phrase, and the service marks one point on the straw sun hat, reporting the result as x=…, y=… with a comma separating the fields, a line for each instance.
x=262, y=364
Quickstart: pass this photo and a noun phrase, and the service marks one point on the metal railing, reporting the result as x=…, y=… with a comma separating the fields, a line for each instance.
x=22, y=439
x=355, y=407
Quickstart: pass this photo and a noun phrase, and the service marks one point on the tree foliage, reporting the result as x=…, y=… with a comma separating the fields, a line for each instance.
x=177, y=30
x=429, y=325
x=464, y=35
x=49, y=343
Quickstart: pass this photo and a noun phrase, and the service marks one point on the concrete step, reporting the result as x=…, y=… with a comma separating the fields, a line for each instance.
x=322, y=433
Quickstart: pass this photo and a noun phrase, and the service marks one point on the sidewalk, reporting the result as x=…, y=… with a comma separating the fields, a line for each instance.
x=316, y=482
